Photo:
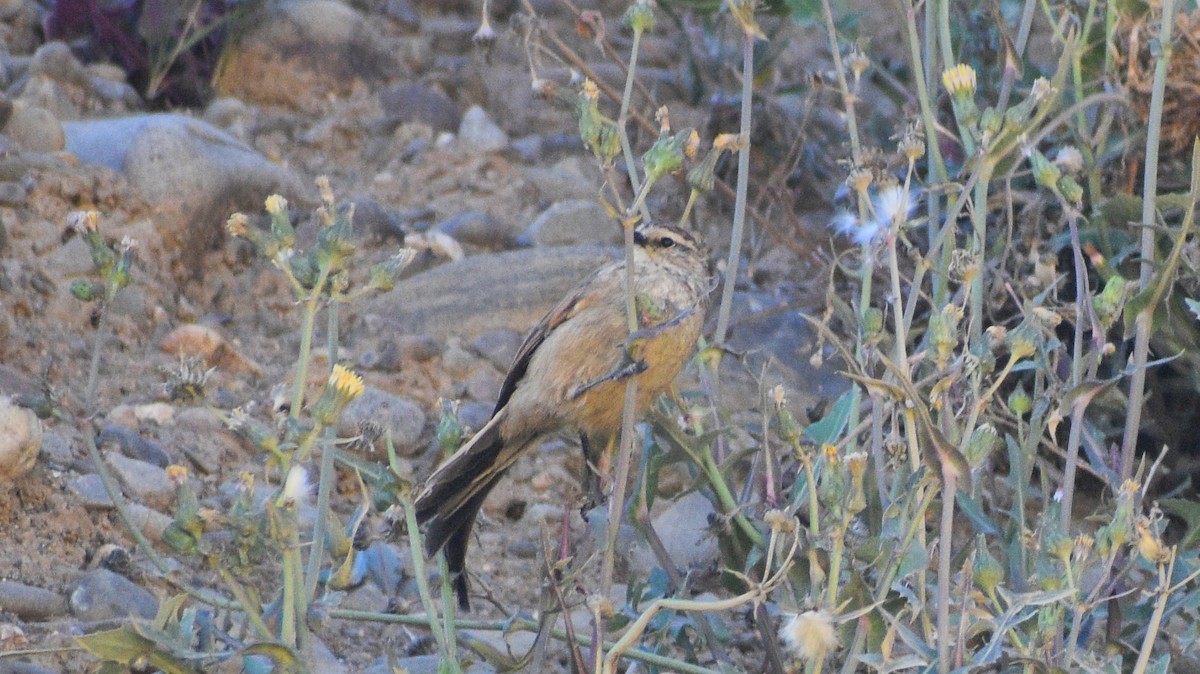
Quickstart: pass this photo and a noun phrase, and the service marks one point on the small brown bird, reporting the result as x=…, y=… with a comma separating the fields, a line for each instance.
x=570, y=373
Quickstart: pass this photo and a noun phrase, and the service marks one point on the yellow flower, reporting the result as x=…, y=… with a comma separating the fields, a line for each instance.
x=960, y=80
x=590, y=90
x=276, y=204
x=176, y=473
x=347, y=384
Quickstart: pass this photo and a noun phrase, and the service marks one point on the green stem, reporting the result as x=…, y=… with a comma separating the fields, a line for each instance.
x=306, y=335
x=103, y=333
x=979, y=214
x=743, y=188
x=623, y=117
x=1141, y=343
x=327, y=473
x=430, y=619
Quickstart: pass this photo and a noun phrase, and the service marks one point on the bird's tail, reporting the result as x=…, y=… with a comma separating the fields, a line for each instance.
x=452, y=496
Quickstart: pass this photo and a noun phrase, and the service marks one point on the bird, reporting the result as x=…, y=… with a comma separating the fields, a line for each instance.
x=570, y=373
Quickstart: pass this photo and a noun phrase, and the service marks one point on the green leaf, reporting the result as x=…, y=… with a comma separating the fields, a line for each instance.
x=1189, y=511
x=125, y=645
x=974, y=512
x=827, y=430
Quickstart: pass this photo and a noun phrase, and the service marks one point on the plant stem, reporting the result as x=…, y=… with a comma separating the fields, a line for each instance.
x=1141, y=343
x=327, y=474
x=306, y=335
x=949, y=489
x=103, y=333
x=743, y=188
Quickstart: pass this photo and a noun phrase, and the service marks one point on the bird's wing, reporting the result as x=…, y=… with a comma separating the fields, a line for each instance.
x=569, y=306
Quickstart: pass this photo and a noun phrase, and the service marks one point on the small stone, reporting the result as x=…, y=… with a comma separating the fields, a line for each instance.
x=103, y=595
x=404, y=13
x=403, y=418
x=419, y=103
x=498, y=346
x=457, y=361
x=89, y=489
x=35, y=129
x=56, y=449
x=544, y=512
x=571, y=177
x=542, y=481
x=31, y=603
x=479, y=133
x=207, y=343
x=478, y=228
x=20, y=439
x=146, y=481
x=159, y=413
x=484, y=383
x=133, y=445
x=475, y=414
x=150, y=521
x=12, y=194
x=684, y=531
x=523, y=549
x=200, y=419
x=574, y=221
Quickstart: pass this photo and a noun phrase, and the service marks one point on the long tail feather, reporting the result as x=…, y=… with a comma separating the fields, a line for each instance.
x=452, y=496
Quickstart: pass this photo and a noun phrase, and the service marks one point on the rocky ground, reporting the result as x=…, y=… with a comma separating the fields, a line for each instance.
x=439, y=149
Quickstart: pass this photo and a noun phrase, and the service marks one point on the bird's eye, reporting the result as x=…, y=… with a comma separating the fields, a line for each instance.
x=666, y=242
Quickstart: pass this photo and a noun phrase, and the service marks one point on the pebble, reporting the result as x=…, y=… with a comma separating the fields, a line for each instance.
x=523, y=549
x=573, y=221
x=484, y=382
x=146, y=481
x=402, y=417
x=103, y=595
x=498, y=346
x=150, y=521
x=35, y=129
x=56, y=449
x=417, y=102
x=475, y=414
x=12, y=194
x=89, y=489
x=133, y=445
x=683, y=529
x=478, y=228
x=20, y=439
x=478, y=133
x=31, y=603
x=386, y=565
x=207, y=343
x=573, y=177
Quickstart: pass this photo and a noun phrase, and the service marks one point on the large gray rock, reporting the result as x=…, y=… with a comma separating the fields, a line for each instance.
x=485, y=292
x=104, y=595
x=574, y=221
x=193, y=174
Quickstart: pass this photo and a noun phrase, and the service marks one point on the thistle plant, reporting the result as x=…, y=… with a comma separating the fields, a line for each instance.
x=113, y=265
